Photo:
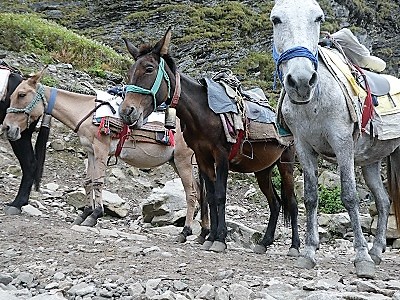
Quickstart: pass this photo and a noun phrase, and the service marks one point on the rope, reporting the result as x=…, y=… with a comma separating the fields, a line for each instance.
x=298, y=51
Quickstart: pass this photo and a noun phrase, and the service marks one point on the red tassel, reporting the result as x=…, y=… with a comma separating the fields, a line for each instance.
x=171, y=138
x=367, y=110
x=101, y=125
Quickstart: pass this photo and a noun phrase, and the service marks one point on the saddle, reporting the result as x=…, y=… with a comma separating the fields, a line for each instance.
x=107, y=118
x=246, y=115
x=377, y=94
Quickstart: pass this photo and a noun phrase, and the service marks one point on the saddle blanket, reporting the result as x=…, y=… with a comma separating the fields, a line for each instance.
x=105, y=110
x=386, y=115
x=4, y=74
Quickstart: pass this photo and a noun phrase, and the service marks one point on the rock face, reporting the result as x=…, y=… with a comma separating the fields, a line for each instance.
x=199, y=49
x=43, y=257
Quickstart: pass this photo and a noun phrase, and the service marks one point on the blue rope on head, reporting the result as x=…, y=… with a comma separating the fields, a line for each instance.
x=161, y=73
x=298, y=51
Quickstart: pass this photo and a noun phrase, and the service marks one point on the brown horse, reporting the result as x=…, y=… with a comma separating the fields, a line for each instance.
x=28, y=103
x=204, y=133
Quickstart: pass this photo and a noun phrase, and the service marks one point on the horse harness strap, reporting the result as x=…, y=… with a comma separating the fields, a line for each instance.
x=288, y=55
x=92, y=111
x=177, y=92
x=50, y=105
x=161, y=74
x=124, y=134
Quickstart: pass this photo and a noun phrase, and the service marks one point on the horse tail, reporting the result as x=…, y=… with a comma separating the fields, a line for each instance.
x=393, y=175
x=40, y=153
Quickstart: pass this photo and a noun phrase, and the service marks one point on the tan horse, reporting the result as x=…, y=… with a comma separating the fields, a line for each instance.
x=28, y=103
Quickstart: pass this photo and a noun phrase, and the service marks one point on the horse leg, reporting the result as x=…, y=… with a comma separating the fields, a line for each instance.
x=204, y=211
x=88, y=185
x=289, y=202
x=23, y=150
x=99, y=156
x=393, y=169
x=308, y=159
x=374, y=182
x=364, y=265
x=210, y=198
x=264, y=180
x=88, y=209
x=219, y=244
x=183, y=167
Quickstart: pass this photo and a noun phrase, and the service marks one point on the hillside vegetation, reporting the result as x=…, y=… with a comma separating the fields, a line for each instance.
x=207, y=35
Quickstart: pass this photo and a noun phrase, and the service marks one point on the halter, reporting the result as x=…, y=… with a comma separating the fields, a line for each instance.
x=39, y=96
x=298, y=51
x=161, y=74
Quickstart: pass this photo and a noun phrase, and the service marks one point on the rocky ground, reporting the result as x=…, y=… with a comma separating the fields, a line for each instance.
x=44, y=257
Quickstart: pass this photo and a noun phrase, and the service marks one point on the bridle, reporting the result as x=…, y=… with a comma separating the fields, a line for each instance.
x=287, y=55
x=39, y=97
x=161, y=74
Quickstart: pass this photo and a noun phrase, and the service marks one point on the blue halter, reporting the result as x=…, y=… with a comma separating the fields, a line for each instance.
x=156, y=85
x=298, y=51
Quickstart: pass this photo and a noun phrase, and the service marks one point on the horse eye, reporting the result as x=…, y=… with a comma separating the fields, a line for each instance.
x=320, y=19
x=149, y=69
x=276, y=20
x=21, y=95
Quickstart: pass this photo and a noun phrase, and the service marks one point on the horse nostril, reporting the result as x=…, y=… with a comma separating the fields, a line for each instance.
x=291, y=82
x=313, y=79
x=131, y=110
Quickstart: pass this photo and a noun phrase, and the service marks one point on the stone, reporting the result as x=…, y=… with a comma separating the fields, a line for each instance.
x=206, y=291
x=30, y=210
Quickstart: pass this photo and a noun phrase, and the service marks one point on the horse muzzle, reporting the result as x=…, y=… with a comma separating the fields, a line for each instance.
x=131, y=116
x=301, y=89
x=11, y=133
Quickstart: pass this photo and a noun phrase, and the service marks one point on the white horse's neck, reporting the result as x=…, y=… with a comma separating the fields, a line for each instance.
x=70, y=108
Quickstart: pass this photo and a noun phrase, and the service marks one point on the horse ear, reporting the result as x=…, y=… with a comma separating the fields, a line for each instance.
x=132, y=49
x=35, y=78
x=162, y=46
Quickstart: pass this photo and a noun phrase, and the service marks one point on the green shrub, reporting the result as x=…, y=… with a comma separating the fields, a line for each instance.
x=50, y=41
x=329, y=200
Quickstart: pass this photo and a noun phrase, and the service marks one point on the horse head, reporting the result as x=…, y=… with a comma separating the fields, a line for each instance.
x=24, y=107
x=148, y=82
x=296, y=30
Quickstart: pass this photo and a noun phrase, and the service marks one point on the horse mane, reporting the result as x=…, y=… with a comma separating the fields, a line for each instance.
x=147, y=48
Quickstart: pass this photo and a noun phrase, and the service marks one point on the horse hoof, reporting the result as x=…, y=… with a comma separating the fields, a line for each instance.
x=259, y=249
x=200, y=240
x=218, y=247
x=78, y=220
x=377, y=259
x=305, y=263
x=293, y=252
x=12, y=210
x=365, y=269
x=206, y=245
x=181, y=238
x=89, y=222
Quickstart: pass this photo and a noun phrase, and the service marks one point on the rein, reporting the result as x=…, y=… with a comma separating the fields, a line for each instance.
x=298, y=51
x=161, y=74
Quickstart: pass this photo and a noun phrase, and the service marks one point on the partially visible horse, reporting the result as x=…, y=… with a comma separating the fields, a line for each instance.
x=317, y=113
x=75, y=111
x=31, y=160
x=204, y=133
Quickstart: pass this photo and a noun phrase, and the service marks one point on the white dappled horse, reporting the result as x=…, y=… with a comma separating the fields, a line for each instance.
x=315, y=110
